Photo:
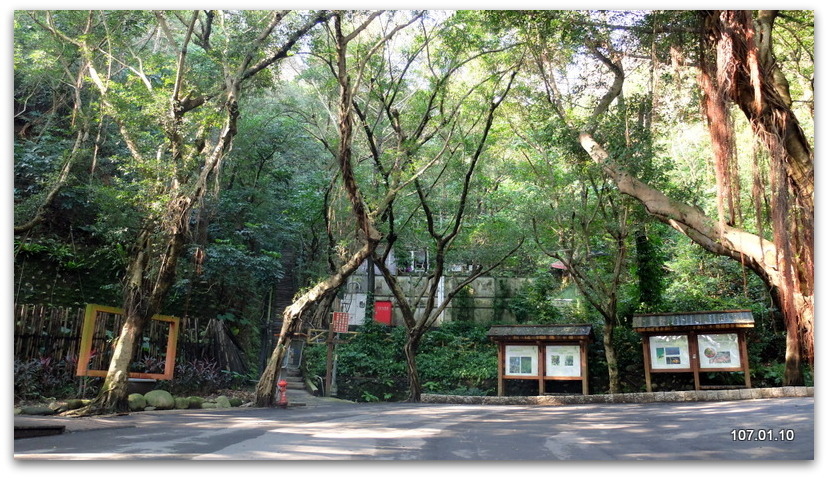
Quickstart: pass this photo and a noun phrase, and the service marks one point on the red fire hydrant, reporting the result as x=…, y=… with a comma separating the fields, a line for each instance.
x=283, y=401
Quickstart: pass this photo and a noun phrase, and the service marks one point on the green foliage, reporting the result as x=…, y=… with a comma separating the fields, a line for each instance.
x=200, y=376
x=46, y=377
x=463, y=305
x=649, y=269
x=627, y=344
x=537, y=302
x=50, y=271
x=698, y=280
x=235, y=264
x=456, y=358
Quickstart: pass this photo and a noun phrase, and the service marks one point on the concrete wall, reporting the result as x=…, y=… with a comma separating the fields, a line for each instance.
x=486, y=299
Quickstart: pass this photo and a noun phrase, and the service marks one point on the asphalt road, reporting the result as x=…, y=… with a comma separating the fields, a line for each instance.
x=769, y=429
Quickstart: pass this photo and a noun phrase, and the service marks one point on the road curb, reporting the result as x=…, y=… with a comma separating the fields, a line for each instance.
x=642, y=397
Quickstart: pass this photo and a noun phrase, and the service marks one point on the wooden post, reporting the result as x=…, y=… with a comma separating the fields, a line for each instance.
x=541, y=368
x=647, y=378
x=329, y=360
x=740, y=336
x=501, y=356
x=695, y=362
x=584, y=368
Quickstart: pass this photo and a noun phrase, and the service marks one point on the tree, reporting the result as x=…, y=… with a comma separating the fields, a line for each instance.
x=418, y=110
x=157, y=137
x=755, y=86
x=349, y=80
x=442, y=235
x=786, y=263
x=42, y=114
x=177, y=127
x=591, y=232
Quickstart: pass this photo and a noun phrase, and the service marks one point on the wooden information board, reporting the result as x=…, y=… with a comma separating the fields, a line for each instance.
x=542, y=352
x=695, y=342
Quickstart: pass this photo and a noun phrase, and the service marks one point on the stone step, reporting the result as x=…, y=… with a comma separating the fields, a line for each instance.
x=297, y=398
x=297, y=392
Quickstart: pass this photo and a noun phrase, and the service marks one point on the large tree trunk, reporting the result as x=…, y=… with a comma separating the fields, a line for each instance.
x=149, y=277
x=758, y=254
x=748, y=75
x=412, y=345
x=612, y=359
x=367, y=232
x=112, y=397
x=266, y=388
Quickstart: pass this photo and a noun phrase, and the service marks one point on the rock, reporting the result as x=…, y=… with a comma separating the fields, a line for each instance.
x=137, y=402
x=236, y=402
x=182, y=403
x=75, y=403
x=160, y=399
x=209, y=405
x=58, y=407
x=195, y=402
x=222, y=402
x=36, y=410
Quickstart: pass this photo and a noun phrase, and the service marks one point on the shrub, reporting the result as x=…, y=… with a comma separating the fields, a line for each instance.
x=198, y=376
x=459, y=359
x=47, y=377
x=455, y=358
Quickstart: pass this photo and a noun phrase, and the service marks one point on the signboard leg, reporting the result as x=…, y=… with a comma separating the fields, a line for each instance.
x=694, y=359
x=745, y=361
x=541, y=369
x=647, y=377
x=500, y=367
x=585, y=369
x=329, y=361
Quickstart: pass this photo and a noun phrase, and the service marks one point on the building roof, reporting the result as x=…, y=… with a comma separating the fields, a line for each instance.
x=571, y=331
x=738, y=318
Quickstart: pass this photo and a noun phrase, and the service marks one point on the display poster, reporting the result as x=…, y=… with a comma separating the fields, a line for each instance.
x=669, y=352
x=563, y=360
x=719, y=351
x=521, y=360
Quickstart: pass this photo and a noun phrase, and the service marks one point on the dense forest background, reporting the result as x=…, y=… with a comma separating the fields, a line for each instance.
x=221, y=164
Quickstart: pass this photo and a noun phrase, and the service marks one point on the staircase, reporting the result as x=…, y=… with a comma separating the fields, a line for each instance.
x=297, y=393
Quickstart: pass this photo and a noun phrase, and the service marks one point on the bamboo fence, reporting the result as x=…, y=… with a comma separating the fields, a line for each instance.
x=42, y=332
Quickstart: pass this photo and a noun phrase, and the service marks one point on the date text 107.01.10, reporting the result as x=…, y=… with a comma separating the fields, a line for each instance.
x=762, y=434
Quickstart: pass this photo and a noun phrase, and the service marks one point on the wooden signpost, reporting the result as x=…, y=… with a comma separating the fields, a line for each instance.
x=695, y=342
x=542, y=352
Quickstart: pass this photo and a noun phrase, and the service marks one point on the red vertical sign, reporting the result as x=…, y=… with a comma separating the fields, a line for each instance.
x=340, y=322
x=382, y=312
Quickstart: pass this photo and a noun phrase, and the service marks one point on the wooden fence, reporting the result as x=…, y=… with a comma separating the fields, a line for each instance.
x=55, y=332
x=41, y=332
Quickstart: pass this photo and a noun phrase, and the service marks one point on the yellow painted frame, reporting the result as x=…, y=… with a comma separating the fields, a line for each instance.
x=89, y=319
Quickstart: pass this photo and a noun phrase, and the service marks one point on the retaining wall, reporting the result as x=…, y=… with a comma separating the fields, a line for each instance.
x=644, y=397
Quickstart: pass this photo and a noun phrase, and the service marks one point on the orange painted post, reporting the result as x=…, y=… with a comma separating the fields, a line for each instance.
x=283, y=399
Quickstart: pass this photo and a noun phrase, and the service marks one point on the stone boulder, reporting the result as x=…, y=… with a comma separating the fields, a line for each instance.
x=37, y=410
x=137, y=402
x=182, y=403
x=76, y=403
x=222, y=402
x=160, y=399
x=195, y=402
